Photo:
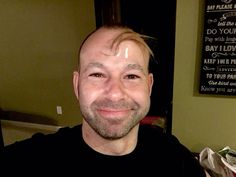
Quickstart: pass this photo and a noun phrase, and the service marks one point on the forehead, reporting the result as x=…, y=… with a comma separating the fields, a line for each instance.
x=102, y=40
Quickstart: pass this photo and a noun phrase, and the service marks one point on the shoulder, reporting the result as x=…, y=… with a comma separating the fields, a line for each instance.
x=171, y=153
x=61, y=137
x=156, y=136
x=158, y=139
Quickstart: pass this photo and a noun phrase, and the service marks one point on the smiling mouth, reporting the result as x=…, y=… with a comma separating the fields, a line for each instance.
x=113, y=112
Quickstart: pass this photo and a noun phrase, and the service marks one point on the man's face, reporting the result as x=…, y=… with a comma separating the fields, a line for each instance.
x=113, y=88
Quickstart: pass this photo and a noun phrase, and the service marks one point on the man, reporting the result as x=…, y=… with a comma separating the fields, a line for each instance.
x=113, y=86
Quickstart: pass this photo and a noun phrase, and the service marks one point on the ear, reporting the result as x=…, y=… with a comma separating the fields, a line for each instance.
x=76, y=83
x=150, y=82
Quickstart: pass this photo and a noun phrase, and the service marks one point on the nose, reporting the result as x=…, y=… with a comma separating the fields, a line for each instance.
x=115, y=89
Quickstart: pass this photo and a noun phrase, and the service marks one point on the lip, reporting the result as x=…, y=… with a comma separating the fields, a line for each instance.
x=116, y=113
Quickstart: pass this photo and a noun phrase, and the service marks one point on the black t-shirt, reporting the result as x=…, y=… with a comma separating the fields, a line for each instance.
x=156, y=154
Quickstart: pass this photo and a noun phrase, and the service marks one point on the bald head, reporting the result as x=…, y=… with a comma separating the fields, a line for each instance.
x=109, y=39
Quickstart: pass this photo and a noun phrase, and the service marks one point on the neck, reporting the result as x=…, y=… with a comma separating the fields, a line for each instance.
x=120, y=146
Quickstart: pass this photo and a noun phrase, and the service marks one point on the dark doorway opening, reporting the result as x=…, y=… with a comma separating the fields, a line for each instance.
x=156, y=19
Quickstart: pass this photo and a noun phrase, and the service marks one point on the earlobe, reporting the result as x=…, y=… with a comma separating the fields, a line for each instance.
x=150, y=83
x=76, y=83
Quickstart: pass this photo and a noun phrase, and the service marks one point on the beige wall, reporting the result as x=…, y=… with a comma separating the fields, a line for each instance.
x=38, y=53
x=39, y=41
x=198, y=120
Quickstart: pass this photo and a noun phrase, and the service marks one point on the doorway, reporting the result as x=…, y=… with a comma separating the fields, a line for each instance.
x=156, y=19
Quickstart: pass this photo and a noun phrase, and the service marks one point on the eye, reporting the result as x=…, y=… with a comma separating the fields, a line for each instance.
x=132, y=76
x=97, y=75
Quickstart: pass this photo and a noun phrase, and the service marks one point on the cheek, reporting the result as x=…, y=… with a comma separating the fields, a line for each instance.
x=87, y=93
x=140, y=95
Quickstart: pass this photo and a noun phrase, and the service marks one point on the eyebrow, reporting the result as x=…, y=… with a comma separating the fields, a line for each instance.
x=136, y=67
x=128, y=67
x=94, y=64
